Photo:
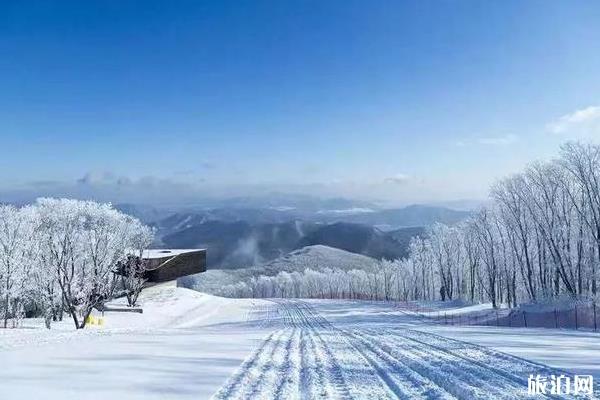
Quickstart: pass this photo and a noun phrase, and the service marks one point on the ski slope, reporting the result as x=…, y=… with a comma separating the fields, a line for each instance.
x=189, y=345
x=307, y=357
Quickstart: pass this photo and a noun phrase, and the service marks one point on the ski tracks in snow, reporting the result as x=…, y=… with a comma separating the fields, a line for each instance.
x=306, y=357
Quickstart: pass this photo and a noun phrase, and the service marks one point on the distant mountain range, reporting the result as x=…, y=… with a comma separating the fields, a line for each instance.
x=363, y=239
x=331, y=210
x=242, y=237
x=411, y=216
x=239, y=244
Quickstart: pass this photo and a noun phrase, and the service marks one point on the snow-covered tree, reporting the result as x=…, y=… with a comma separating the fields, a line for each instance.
x=132, y=269
x=82, y=242
x=16, y=253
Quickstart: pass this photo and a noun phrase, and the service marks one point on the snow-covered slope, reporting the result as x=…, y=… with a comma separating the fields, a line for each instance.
x=190, y=345
x=319, y=257
x=184, y=346
x=176, y=307
x=164, y=306
x=316, y=257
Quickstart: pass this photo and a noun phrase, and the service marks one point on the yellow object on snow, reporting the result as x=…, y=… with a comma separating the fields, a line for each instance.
x=91, y=320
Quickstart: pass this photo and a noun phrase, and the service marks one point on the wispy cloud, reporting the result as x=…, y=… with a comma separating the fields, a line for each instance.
x=504, y=140
x=398, y=179
x=584, y=123
x=98, y=177
x=498, y=140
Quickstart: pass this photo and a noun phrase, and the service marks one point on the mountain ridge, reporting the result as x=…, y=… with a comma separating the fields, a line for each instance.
x=240, y=237
x=316, y=257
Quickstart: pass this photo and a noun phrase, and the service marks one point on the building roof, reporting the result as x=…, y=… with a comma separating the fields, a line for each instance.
x=162, y=253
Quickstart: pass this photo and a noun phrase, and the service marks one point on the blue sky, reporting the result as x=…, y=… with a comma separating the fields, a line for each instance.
x=403, y=101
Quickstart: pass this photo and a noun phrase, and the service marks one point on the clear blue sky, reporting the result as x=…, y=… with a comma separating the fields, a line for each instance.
x=399, y=100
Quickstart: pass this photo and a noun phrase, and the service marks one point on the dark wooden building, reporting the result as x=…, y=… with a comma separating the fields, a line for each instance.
x=164, y=265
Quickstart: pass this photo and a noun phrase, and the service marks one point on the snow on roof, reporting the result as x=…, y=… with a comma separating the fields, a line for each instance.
x=161, y=253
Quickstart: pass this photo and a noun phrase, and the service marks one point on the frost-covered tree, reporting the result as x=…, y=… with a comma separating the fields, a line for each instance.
x=582, y=165
x=132, y=272
x=82, y=242
x=16, y=253
x=132, y=269
x=60, y=255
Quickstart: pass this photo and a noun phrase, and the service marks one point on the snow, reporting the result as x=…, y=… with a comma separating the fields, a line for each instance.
x=137, y=365
x=457, y=308
x=168, y=306
x=161, y=253
x=342, y=349
x=185, y=344
x=188, y=344
x=575, y=351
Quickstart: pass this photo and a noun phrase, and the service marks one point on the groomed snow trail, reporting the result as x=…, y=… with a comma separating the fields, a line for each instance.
x=307, y=357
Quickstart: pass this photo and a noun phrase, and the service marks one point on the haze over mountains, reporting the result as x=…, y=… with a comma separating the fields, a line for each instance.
x=244, y=232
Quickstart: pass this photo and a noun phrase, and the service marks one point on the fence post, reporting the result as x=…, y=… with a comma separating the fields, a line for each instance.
x=525, y=318
x=576, y=322
x=497, y=322
x=595, y=324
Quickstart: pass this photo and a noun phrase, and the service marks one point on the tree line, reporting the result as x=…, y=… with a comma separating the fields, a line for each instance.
x=537, y=239
x=62, y=256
